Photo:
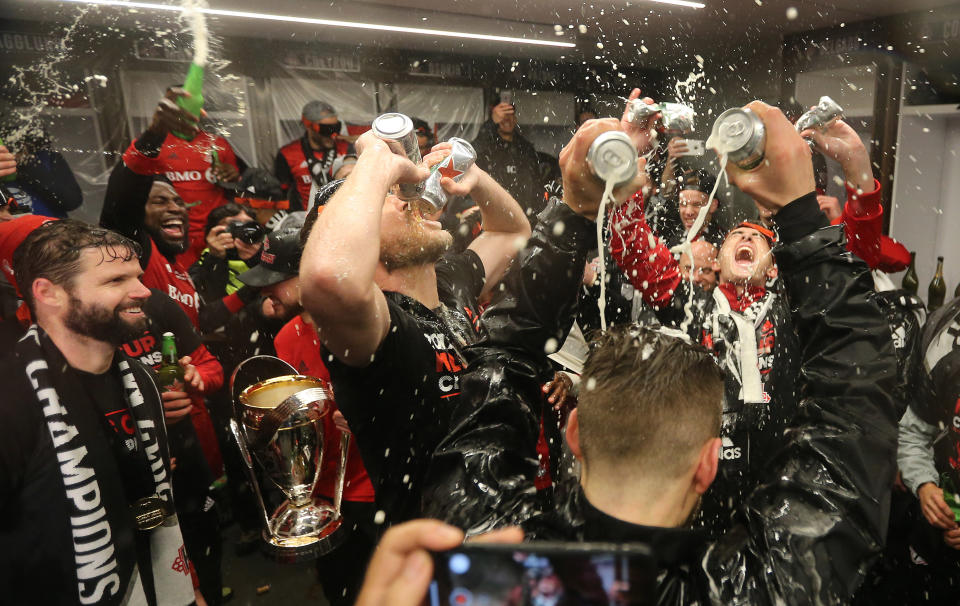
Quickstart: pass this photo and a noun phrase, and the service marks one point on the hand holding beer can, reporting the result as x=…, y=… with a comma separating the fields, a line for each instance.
x=455, y=166
x=612, y=157
x=820, y=117
x=739, y=133
x=398, y=133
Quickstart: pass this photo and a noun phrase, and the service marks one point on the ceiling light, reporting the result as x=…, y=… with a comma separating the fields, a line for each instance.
x=329, y=22
x=682, y=3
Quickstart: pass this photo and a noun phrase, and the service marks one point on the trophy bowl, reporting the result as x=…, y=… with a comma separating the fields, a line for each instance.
x=281, y=420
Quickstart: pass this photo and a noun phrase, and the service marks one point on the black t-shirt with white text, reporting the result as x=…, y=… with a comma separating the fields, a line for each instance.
x=397, y=406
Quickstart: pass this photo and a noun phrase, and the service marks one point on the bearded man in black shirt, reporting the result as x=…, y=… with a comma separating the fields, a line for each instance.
x=394, y=313
x=87, y=511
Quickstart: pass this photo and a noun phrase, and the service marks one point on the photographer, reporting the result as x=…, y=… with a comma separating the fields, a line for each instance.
x=233, y=246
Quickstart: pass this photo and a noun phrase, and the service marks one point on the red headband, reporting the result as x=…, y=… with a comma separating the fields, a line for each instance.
x=767, y=233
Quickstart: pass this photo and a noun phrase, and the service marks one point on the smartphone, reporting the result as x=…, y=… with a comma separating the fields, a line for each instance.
x=529, y=574
x=694, y=148
x=506, y=96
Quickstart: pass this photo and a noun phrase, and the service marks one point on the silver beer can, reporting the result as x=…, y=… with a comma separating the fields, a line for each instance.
x=820, y=117
x=612, y=157
x=462, y=157
x=397, y=131
x=740, y=133
x=640, y=111
x=676, y=118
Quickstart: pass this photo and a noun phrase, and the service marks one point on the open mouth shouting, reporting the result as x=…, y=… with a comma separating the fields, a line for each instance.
x=173, y=228
x=745, y=256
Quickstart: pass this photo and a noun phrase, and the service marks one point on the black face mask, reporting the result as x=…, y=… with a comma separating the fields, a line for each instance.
x=325, y=130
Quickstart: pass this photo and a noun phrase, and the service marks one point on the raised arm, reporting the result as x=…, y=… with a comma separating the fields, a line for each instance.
x=810, y=530
x=481, y=475
x=505, y=227
x=341, y=256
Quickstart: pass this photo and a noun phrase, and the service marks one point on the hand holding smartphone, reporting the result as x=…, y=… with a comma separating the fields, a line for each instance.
x=535, y=573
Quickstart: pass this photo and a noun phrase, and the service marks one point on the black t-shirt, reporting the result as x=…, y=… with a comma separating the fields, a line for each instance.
x=106, y=392
x=192, y=475
x=397, y=406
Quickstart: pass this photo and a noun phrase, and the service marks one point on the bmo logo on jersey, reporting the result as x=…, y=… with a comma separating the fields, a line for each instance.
x=184, y=176
x=728, y=450
x=187, y=300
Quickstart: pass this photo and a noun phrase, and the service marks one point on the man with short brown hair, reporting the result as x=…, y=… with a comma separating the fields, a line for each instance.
x=88, y=512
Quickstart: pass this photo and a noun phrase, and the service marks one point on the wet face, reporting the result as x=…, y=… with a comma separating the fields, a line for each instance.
x=165, y=219
x=284, y=298
x=745, y=258
x=691, y=201
x=703, y=267
x=830, y=206
x=407, y=237
x=318, y=141
x=105, y=298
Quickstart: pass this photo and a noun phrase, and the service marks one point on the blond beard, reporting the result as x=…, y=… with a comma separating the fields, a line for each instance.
x=415, y=246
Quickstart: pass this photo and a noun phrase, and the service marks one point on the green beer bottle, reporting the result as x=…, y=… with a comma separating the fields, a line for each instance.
x=170, y=373
x=11, y=177
x=193, y=103
x=950, y=495
x=911, y=283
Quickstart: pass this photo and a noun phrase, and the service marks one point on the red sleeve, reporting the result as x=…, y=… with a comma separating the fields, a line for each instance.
x=641, y=255
x=209, y=368
x=233, y=302
x=863, y=224
x=140, y=163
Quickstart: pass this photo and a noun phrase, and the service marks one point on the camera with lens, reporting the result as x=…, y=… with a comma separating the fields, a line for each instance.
x=250, y=232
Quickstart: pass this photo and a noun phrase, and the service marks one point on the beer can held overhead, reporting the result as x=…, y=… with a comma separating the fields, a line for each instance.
x=398, y=132
x=739, y=133
x=820, y=117
x=612, y=157
x=675, y=118
x=462, y=157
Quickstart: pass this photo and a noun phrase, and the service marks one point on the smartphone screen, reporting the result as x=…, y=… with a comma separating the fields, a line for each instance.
x=506, y=97
x=544, y=574
x=694, y=148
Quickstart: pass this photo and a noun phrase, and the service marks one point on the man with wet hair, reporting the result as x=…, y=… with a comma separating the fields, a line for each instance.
x=702, y=267
x=89, y=512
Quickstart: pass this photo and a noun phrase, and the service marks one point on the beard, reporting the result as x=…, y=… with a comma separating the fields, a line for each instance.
x=414, y=246
x=167, y=247
x=102, y=324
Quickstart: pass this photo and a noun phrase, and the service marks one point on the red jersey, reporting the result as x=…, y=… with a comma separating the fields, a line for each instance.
x=173, y=280
x=293, y=169
x=297, y=344
x=188, y=165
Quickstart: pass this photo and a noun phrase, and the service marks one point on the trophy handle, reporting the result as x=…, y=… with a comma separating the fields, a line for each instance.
x=341, y=471
x=242, y=445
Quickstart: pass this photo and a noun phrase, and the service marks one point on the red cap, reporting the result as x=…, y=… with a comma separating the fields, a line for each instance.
x=12, y=234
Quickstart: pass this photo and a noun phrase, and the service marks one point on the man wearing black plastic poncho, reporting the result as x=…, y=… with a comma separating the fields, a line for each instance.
x=816, y=520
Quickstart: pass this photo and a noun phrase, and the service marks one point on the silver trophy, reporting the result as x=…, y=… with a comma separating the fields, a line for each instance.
x=279, y=423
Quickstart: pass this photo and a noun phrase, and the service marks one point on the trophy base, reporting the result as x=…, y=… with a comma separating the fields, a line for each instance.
x=304, y=533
